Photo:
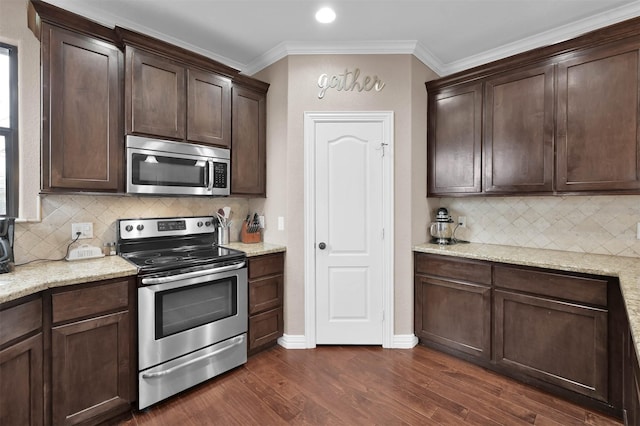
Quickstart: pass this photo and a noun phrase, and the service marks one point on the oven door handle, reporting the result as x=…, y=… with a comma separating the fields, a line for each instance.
x=238, y=340
x=193, y=274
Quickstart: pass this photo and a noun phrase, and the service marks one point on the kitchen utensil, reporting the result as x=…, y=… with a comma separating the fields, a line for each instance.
x=441, y=230
x=255, y=225
x=221, y=218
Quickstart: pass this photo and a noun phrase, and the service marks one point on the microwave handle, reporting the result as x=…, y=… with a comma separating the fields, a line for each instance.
x=210, y=183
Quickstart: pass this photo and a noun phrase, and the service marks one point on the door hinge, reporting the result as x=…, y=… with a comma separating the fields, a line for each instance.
x=382, y=316
x=383, y=233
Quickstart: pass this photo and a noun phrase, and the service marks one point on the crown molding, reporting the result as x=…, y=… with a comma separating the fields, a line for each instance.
x=111, y=20
x=546, y=38
x=369, y=47
x=379, y=47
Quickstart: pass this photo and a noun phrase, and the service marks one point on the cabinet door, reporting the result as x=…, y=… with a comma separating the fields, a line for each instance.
x=264, y=329
x=155, y=95
x=82, y=144
x=437, y=302
x=90, y=369
x=209, y=108
x=558, y=342
x=598, y=145
x=518, y=132
x=21, y=386
x=248, y=145
x=454, y=141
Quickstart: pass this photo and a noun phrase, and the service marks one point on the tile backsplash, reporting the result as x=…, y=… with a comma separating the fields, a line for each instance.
x=49, y=238
x=586, y=224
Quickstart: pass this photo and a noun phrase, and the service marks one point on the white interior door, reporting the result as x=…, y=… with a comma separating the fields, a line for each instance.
x=349, y=232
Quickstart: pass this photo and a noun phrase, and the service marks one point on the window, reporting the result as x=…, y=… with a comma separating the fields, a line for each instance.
x=8, y=130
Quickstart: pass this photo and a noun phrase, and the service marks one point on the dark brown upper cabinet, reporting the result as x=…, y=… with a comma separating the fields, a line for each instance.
x=518, y=131
x=82, y=140
x=155, y=96
x=248, y=145
x=168, y=99
x=454, y=140
x=597, y=129
x=209, y=108
x=559, y=119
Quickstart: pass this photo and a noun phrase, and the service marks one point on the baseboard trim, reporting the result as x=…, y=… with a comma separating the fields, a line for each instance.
x=289, y=341
x=299, y=341
x=404, y=341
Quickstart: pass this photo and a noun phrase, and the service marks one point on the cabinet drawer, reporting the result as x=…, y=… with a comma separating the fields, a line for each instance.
x=265, y=328
x=467, y=270
x=261, y=266
x=265, y=294
x=579, y=289
x=86, y=301
x=23, y=319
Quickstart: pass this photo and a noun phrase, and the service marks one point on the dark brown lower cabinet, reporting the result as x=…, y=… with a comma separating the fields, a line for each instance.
x=453, y=305
x=266, y=288
x=556, y=330
x=21, y=356
x=91, y=356
x=469, y=331
x=631, y=393
x=555, y=341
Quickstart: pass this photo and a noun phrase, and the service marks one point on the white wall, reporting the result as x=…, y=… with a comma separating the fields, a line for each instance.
x=403, y=93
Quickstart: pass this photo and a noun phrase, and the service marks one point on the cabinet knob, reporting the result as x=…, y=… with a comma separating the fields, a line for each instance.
x=322, y=246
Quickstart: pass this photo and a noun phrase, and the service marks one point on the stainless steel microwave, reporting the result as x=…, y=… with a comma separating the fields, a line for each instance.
x=161, y=167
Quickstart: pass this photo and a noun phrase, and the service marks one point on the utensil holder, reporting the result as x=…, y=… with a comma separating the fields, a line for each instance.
x=223, y=235
x=249, y=237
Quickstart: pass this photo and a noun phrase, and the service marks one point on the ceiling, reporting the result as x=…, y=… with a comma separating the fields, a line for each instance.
x=447, y=35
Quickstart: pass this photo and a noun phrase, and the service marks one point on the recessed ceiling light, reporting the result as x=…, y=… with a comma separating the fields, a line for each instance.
x=325, y=15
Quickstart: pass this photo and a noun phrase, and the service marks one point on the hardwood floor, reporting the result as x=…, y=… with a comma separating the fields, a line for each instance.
x=362, y=385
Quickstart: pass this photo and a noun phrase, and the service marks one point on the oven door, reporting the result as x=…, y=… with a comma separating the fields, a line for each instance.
x=183, y=313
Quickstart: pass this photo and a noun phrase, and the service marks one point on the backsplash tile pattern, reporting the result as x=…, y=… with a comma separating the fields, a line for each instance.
x=49, y=238
x=585, y=224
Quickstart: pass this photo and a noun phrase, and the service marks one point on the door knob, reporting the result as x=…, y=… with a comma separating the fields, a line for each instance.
x=322, y=246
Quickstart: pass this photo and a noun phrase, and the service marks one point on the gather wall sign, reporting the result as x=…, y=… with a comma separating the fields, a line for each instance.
x=348, y=82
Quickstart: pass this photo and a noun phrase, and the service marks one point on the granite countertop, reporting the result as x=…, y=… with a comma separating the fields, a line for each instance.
x=256, y=249
x=627, y=269
x=35, y=277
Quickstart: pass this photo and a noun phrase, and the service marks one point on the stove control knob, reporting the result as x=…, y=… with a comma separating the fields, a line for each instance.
x=199, y=224
x=128, y=228
x=207, y=223
x=140, y=227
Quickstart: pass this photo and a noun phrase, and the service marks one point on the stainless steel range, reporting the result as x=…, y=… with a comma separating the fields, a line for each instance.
x=192, y=303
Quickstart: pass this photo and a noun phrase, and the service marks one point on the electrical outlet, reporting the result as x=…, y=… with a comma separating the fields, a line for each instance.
x=462, y=221
x=85, y=229
x=638, y=231
x=261, y=220
x=280, y=223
